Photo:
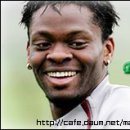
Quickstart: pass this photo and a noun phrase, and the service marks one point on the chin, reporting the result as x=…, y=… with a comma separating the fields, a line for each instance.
x=65, y=100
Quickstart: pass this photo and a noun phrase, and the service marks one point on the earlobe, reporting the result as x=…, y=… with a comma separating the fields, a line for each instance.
x=108, y=50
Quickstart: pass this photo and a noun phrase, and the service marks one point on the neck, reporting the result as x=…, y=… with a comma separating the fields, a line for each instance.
x=59, y=111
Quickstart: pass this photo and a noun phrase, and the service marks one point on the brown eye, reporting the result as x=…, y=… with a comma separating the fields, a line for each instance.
x=78, y=44
x=43, y=45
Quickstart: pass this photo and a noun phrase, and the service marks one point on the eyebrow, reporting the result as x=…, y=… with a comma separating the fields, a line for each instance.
x=48, y=35
x=42, y=33
x=73, y=33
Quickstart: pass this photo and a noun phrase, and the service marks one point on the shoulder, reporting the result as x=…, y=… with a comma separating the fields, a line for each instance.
x=118, y=101
x=121, y=92
x=118, y=94
x=116, y=106
x=112, y=104
x=119, y=109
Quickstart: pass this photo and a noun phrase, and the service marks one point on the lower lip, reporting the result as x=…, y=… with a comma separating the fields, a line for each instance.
x=61, y=81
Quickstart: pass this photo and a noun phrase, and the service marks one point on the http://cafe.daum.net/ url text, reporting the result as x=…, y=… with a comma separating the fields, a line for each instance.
x=82, y=123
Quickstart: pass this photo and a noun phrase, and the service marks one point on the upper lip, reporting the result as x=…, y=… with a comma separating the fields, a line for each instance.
x=60, y=69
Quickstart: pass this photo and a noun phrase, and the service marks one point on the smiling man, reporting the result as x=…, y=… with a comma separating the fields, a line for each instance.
x=69, y=49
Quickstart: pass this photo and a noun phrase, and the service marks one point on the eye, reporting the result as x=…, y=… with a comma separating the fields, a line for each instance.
x=78, y=44
x=43, y=45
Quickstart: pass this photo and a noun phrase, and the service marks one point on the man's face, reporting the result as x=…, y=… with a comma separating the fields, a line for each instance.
x=66, y=52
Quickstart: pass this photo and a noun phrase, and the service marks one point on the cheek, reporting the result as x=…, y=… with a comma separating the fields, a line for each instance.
x=36, y=58
x=90, y=55
x=86, y=57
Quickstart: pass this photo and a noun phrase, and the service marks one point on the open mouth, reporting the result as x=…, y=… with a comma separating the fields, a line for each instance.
x=62, y=78
x=62, y=74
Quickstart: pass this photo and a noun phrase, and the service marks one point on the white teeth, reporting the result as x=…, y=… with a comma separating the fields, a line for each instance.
x=61, y=74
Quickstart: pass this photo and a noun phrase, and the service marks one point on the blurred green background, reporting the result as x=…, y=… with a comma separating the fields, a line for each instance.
x=22, y=100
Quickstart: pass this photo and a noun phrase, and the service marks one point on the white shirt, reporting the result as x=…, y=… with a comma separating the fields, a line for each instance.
x=109, y=108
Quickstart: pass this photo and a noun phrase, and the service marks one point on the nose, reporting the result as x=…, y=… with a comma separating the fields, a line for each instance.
x=59, y=55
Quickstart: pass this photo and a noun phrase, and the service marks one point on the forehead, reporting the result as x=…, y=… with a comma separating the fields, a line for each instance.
x=62, y=10
x=72, y=17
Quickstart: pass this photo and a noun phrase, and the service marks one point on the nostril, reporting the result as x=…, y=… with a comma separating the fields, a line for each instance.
x=59, y=57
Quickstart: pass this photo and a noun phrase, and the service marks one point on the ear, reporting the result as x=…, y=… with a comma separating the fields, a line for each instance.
x=28, y=52
x=108, y=50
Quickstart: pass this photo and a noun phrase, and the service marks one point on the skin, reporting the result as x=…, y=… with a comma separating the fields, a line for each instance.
x=67, y=42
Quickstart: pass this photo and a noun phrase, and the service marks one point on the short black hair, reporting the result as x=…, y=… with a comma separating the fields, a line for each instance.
x=104, y=14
